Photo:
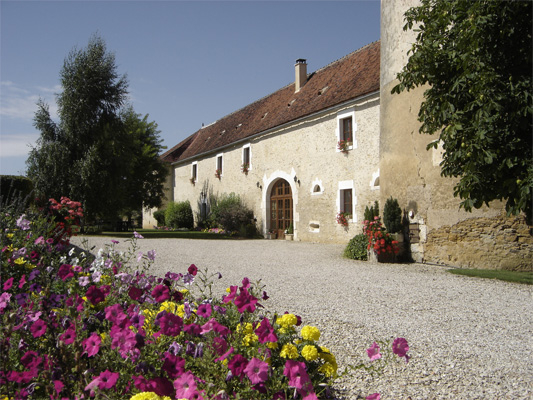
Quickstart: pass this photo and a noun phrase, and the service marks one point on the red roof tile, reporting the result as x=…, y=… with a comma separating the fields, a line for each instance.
x=350, y=77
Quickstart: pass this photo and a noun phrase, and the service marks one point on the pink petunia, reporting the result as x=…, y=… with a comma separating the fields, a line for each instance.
x=22, y=281
x=58, y=386
x=95, y=295
x=115, y=314
x=91, y=345
x=297, y=374
x=65, y=272
x=8, y=284
x=173, y=365
x=138, y=235
x=161, y=293
x=170, y=324
x=69, y=336
x=374, y=396
x=31, y=360
x=185, y=385
x=256, y=371
x=400, y=347
x=38, y=328
x=373, y=352
x=214, y=325
x=245, y=301
x=231, y=295
x=237, y=365
x=204, y=310
x=123, y=339
x=5, y=298
x=107, y=379
x=265, y=332
x=193, y=270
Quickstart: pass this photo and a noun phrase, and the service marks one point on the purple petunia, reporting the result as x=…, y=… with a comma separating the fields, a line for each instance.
x=373, y=352
x=171, y=324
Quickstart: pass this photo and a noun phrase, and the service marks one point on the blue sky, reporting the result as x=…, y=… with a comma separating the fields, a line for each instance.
x=187, y=62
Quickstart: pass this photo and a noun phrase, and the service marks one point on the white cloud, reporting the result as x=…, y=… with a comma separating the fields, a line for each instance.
x=17, y=145
x=21, y=103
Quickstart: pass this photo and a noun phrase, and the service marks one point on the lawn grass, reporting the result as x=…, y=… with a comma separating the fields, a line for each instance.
x=508, y=276
x=161, y=234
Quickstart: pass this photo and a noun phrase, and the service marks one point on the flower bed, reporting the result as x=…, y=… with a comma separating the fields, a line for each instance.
x=75, y=326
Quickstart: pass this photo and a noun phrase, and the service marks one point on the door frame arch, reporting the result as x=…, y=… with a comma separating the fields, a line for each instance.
x=268, y=184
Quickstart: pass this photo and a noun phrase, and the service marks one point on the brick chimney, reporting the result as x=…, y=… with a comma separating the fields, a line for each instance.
x=300, y=69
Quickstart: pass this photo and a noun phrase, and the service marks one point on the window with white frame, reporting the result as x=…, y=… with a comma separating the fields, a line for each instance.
x=219, y=165
x=346, y=129
x=246, y=158
x=194, y=172
x=346, y=200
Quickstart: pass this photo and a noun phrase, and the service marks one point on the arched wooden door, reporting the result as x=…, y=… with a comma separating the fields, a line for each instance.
x=280, y=207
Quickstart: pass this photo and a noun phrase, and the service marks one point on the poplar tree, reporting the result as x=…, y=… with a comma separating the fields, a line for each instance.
x=88, y=154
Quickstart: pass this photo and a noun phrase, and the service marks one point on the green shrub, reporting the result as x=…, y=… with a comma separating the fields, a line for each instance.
x=179, y=215
x=372, y=212
x=231, y=214
x=15, y=189
x=159, y=216
x=357, y=247
x=392, y=216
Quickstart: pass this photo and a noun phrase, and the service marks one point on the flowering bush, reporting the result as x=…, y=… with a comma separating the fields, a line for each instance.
x=343, y=217
x=379, y=240
x=76, y=326
x=245, y=168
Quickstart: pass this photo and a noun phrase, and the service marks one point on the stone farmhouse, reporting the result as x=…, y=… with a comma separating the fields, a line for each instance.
x=335, y=141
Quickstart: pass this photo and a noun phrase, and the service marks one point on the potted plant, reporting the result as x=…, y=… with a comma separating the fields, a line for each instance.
x=218, y=173
x=344, y=145
x=244, y=168
x=289, y=232
x=392, y=218
x=271, y=234
x=343, y=218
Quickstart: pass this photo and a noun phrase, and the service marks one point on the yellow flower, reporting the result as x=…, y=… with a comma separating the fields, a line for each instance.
x=287, y=320
x=247, y=329
x=20, y=261
x=149, y=396
x=103, y=335
x=272, y=345
x=309, y=352
x=185, y=291
x=173, y=308
x=10, y=235
x=328, y=369
x=289, y=351
x=310, y=333
x=249, y=339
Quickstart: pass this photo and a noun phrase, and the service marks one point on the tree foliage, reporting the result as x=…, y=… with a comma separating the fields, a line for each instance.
x=475, y=58
x=101, y=152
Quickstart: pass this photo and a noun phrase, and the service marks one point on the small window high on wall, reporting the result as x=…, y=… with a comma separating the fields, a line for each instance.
x=194, y=172
x=246, y=157
x=346, y=129
x=346, y=196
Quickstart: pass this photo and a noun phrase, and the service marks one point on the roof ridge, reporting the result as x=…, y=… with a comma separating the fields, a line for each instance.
x=291, y=83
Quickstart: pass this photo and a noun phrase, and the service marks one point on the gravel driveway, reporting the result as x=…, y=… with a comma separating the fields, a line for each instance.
x=469, y=338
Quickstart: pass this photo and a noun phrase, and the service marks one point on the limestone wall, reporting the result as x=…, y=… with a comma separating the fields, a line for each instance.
x=306, y=150
x=488, y=243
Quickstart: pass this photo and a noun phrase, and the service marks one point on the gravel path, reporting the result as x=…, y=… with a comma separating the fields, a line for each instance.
x=469, y=338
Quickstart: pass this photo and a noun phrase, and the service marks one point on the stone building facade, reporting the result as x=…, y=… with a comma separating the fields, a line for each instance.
x=290, y=142
x=440, y=231
x=296, y=173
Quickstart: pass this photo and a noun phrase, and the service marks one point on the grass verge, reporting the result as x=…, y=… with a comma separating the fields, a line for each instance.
x=160, y=234
x=508, y=276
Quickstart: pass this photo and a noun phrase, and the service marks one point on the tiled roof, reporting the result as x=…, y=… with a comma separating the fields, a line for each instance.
x=350, y=77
